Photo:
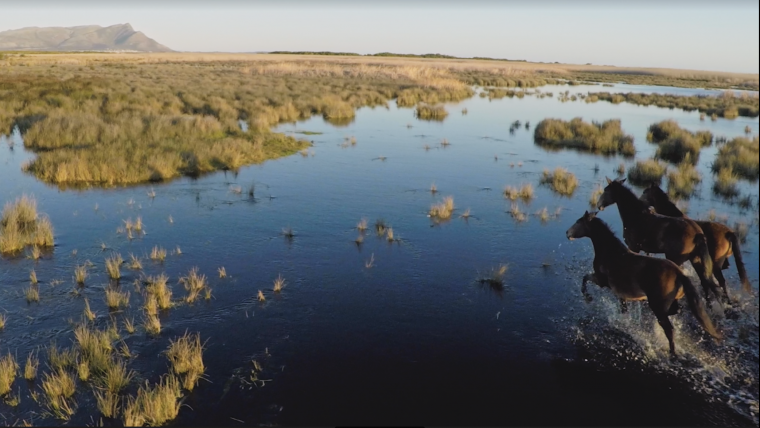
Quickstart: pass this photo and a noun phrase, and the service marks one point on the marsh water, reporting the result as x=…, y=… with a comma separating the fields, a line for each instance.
x=415, y=338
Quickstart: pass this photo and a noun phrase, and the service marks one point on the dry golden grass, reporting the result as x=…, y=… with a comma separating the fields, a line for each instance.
x=35, y=253
x=58, y=388
x=95, y=348
x=647, y=171
x=725, y=184
x=134, y=262
x=515, y=212
x=80, y=274
x=279, y=283
x=112, y=266
x=61, y=359
x=543, y=214
x=560, y=180
x=3, y=320
x=21, y=225
x=88, y=313
x=389, y=234
x=116, y=299
x=595, y=194
x=158, y=254
x=8, y=369
x=32, y=293
x=158, y=289
x=153, y=406
x=442, y=210
x=33, y=277
x=115, y=377
x=194, y=284
x=222, y=272
x=108, y=403
x=260, y=296
x=152, y=325
x=151, y=305
x=682, y=181
x=362, y=225
x=129, y=325
x=186, y=357
x=495, y=276
x=431, y=112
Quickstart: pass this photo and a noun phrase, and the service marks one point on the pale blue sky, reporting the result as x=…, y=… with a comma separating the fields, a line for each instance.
x=722, y=36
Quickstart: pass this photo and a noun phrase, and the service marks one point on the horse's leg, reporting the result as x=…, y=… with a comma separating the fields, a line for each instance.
x=586, y=278
x=717, y=271
x=674, y=308
x=658, y=307
x=623, y=306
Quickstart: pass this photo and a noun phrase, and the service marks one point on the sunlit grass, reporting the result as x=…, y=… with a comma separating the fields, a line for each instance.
x=560, y=180
x=129, y=325
x=158, y=289
x=33, y=277
x=112, y=266
x=134, y=262
x=153, y=406
x=32, y=293
x=682, y=181
x=279, y=283
x=21, y=225
x=606, y=137
x=186, y=357
x=442, y=210
x=88, y=313
x=80, y=274
x=495, y=277
x=152, y=325
x=740, y=156
x=194, y=284
x=108, y=403
x=116, y=299
x=431, y=112
x=58, y=388
x=8, y=369
x=222, y=272
x=115, y=377
x=647, y=171
x=158, y=254
x=725, y=184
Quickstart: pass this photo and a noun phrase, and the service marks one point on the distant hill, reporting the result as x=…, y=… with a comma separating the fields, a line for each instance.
x=83, y=38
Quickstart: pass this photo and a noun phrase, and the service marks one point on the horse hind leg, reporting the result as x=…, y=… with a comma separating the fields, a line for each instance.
x=664, y=321
x=721, y=280
x=674, y=308
x=588, y=278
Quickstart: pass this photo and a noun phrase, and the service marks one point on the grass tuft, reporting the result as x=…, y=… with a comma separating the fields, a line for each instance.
x=495, y=277
x=32, y=293
x=8, y=369
x=88, y=313
x=108, y=403
x=279, y=283
x=112, y=266
x=152, y=325
x=431, y=112
x=158, y=289
x=725, y=184
x=607, y=137
x=442, y=210
x=682, y=182
x=153, y=406
x=21, y=225
x=647, y=171
x=194, y=284
x=740, y=156
x=80, y=274
x=158, y=254
x=186, y=357
x=134, y=262
x=222, y=272
x=116, y=299
x=560, y=180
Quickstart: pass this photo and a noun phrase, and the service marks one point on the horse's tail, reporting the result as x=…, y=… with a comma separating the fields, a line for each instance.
x=737, y=250
x=701, y=250
x=695, y=304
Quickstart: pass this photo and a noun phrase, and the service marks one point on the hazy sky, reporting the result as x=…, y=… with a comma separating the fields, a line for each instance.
x=716, y=35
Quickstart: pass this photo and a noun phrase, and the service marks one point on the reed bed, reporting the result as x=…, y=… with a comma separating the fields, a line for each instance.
x=21, y=225
x=605, y=138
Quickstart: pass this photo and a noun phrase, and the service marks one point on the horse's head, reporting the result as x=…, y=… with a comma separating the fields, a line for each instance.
x=610, y=195
x=581, y=228
x=653, y=194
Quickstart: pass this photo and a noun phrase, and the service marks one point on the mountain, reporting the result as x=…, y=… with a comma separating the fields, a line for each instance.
x=82, y=38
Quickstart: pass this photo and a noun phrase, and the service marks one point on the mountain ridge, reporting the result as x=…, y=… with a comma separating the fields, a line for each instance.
x=80, y=38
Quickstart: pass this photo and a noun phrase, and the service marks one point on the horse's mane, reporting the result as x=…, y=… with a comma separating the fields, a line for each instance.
x=602, y=230
x=664, y=205
x=629, y=197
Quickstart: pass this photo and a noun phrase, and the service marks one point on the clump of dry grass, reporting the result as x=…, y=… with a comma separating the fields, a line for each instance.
x=389, y=235
x=683, y=181
x=186, y=357
x=152, y=324
x=158, y=289
x=362, y=225
x=108, y=403
x=725, y=184
x=595, y=194
x=158, y=254
x=222, y=272
x=8, y=369
x=3, y=320
x=21, y=225
x=30, y=369
x=153, y=406
x=560, y=180
x=543, y=214
x=33, y=277
x=607, y=137
x=433, y=189
x=58, y=388
x=116, y=376
x=279, y=283
x=80, y=274
x=645, y=172
x=516, y=213
x=380, y=227
x=740, y=156
x=620, y=169
x=112, y=266
x=35, y=253
x=431, y=112
x=95, y=349
x=466, y=214
x=129, y=325
x=511, y=193
x=194, y=284
x=61, y=359
x=116, y=299
x=88, y=313
x=134, y=262
x=442, y=210
x=260, y=296
x=32, y=293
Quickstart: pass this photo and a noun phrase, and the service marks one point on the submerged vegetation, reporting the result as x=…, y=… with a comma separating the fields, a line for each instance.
x=605, y=138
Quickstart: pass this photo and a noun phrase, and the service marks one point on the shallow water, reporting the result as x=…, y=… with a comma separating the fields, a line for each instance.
x=413, y=339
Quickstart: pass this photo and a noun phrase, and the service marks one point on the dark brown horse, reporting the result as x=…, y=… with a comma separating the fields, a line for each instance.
x=680, y=239
x=721, y=240
x=633, y=276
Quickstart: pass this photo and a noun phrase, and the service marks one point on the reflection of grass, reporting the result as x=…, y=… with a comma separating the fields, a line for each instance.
x=647, y=171
x=560, y=180
x=606, y=137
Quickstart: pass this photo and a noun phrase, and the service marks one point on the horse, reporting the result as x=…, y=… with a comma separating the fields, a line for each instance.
x=721, y=240
x=632, y=276
x=680, y=239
